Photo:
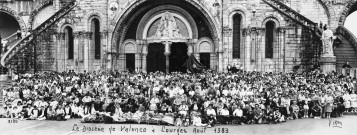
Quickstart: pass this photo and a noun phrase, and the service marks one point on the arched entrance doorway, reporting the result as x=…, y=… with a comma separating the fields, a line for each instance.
x=156, y=58
x=8, y=25
x=176, y=25
x=178, y=57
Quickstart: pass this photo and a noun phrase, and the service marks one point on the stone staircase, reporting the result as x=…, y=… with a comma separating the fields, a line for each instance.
x=312, y=51
x=347, y=51
x=27, y=41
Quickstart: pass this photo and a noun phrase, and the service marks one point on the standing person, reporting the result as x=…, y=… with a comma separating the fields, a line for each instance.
x=347, y=101
x=354, y=102
x=19, y=34
x=329, y=104
x=4, y=47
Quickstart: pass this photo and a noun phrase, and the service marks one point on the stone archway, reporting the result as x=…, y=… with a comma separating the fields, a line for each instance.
x=135, y=8
x=37, y=9
x=350, y=7
x=15, y=15
x=140, y=15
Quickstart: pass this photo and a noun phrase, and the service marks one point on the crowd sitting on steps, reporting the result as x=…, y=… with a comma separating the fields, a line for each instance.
x=202, y=99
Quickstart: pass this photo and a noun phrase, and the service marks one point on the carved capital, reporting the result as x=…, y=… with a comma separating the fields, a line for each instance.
x=87, y=35
x=246, y=32
x=103, y=34
x=227, y=31
x=60, y=36
x=77, y=34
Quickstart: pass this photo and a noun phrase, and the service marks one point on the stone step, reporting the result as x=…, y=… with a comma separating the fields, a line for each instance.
x=346, y=53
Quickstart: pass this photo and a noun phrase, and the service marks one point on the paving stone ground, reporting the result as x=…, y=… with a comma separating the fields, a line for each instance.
x=344, y=125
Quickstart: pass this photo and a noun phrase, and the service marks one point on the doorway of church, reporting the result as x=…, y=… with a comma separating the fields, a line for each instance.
x=205, y=59
x=130, y=62
x=178, y=57
x=156, y=58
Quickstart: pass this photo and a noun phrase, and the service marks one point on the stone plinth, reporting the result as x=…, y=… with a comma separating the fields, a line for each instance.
x=328, y=63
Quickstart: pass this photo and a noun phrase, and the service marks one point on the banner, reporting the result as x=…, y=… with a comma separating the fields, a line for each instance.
x=193, y=65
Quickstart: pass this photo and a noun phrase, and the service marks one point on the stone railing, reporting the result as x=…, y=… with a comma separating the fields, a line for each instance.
x=347, y=35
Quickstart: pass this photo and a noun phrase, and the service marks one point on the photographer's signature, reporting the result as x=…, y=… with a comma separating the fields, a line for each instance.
x=335, y=123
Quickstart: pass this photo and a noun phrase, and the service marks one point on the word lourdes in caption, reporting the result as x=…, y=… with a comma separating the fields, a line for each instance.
x=138, y=130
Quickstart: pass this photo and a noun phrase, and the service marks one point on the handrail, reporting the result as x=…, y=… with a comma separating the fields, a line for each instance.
x=307, y=23
x=29, y=38
x=347, y=35
x=10, y=36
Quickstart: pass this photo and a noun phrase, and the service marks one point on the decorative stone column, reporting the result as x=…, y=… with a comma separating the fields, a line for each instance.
x=122, y=61
x=246, y=63
x=167, y=55
x=86, y=47
x=144, y=54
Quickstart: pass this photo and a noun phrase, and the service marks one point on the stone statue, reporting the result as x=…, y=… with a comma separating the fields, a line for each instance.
x=327, y=41
x=167, y=27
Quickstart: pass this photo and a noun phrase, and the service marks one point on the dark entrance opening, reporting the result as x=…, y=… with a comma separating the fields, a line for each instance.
x=156, y=60
x=130, y=62
x=205, y=59
x=178, y=57
x=8, y=25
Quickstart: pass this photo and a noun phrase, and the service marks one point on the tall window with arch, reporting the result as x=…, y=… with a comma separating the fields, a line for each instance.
x=237, y=19
x=95, y=29
x=269, y=39
x=69, y=41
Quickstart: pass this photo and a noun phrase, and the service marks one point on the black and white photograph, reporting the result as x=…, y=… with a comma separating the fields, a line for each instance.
x=178, y=67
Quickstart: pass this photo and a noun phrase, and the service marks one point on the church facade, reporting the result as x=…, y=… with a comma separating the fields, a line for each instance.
x=159, y=35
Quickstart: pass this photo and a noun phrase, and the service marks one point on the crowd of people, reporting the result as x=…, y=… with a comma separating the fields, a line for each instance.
x=180, y=99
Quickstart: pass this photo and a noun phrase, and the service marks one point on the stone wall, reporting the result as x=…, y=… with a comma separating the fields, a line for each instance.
x=287, y=46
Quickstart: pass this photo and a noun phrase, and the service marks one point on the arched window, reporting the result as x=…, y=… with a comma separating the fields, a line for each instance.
x=269, y=39
x=95, y=28
x=69, y=41
x=237, y=19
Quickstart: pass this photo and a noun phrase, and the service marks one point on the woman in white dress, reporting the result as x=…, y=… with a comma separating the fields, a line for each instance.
x=347, y=101
x=354, y=102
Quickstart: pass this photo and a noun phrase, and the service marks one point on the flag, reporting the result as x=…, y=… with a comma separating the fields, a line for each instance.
x=193, y=65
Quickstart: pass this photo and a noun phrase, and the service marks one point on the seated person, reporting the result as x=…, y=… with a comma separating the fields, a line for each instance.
x=268, y=114
x=197, y=121
x=14, y=113
x=277, y=117
x=211, y=120
x=238, y=113
x=258, y=114
x=210, y=111
x=60, y=114
x=6, y=113
x=34, y=113
x=68, y=112
x=51, y=114
x=250, y=117
x=225, y=114
x=183, y=109
x=42, y=113
x=164, y=108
